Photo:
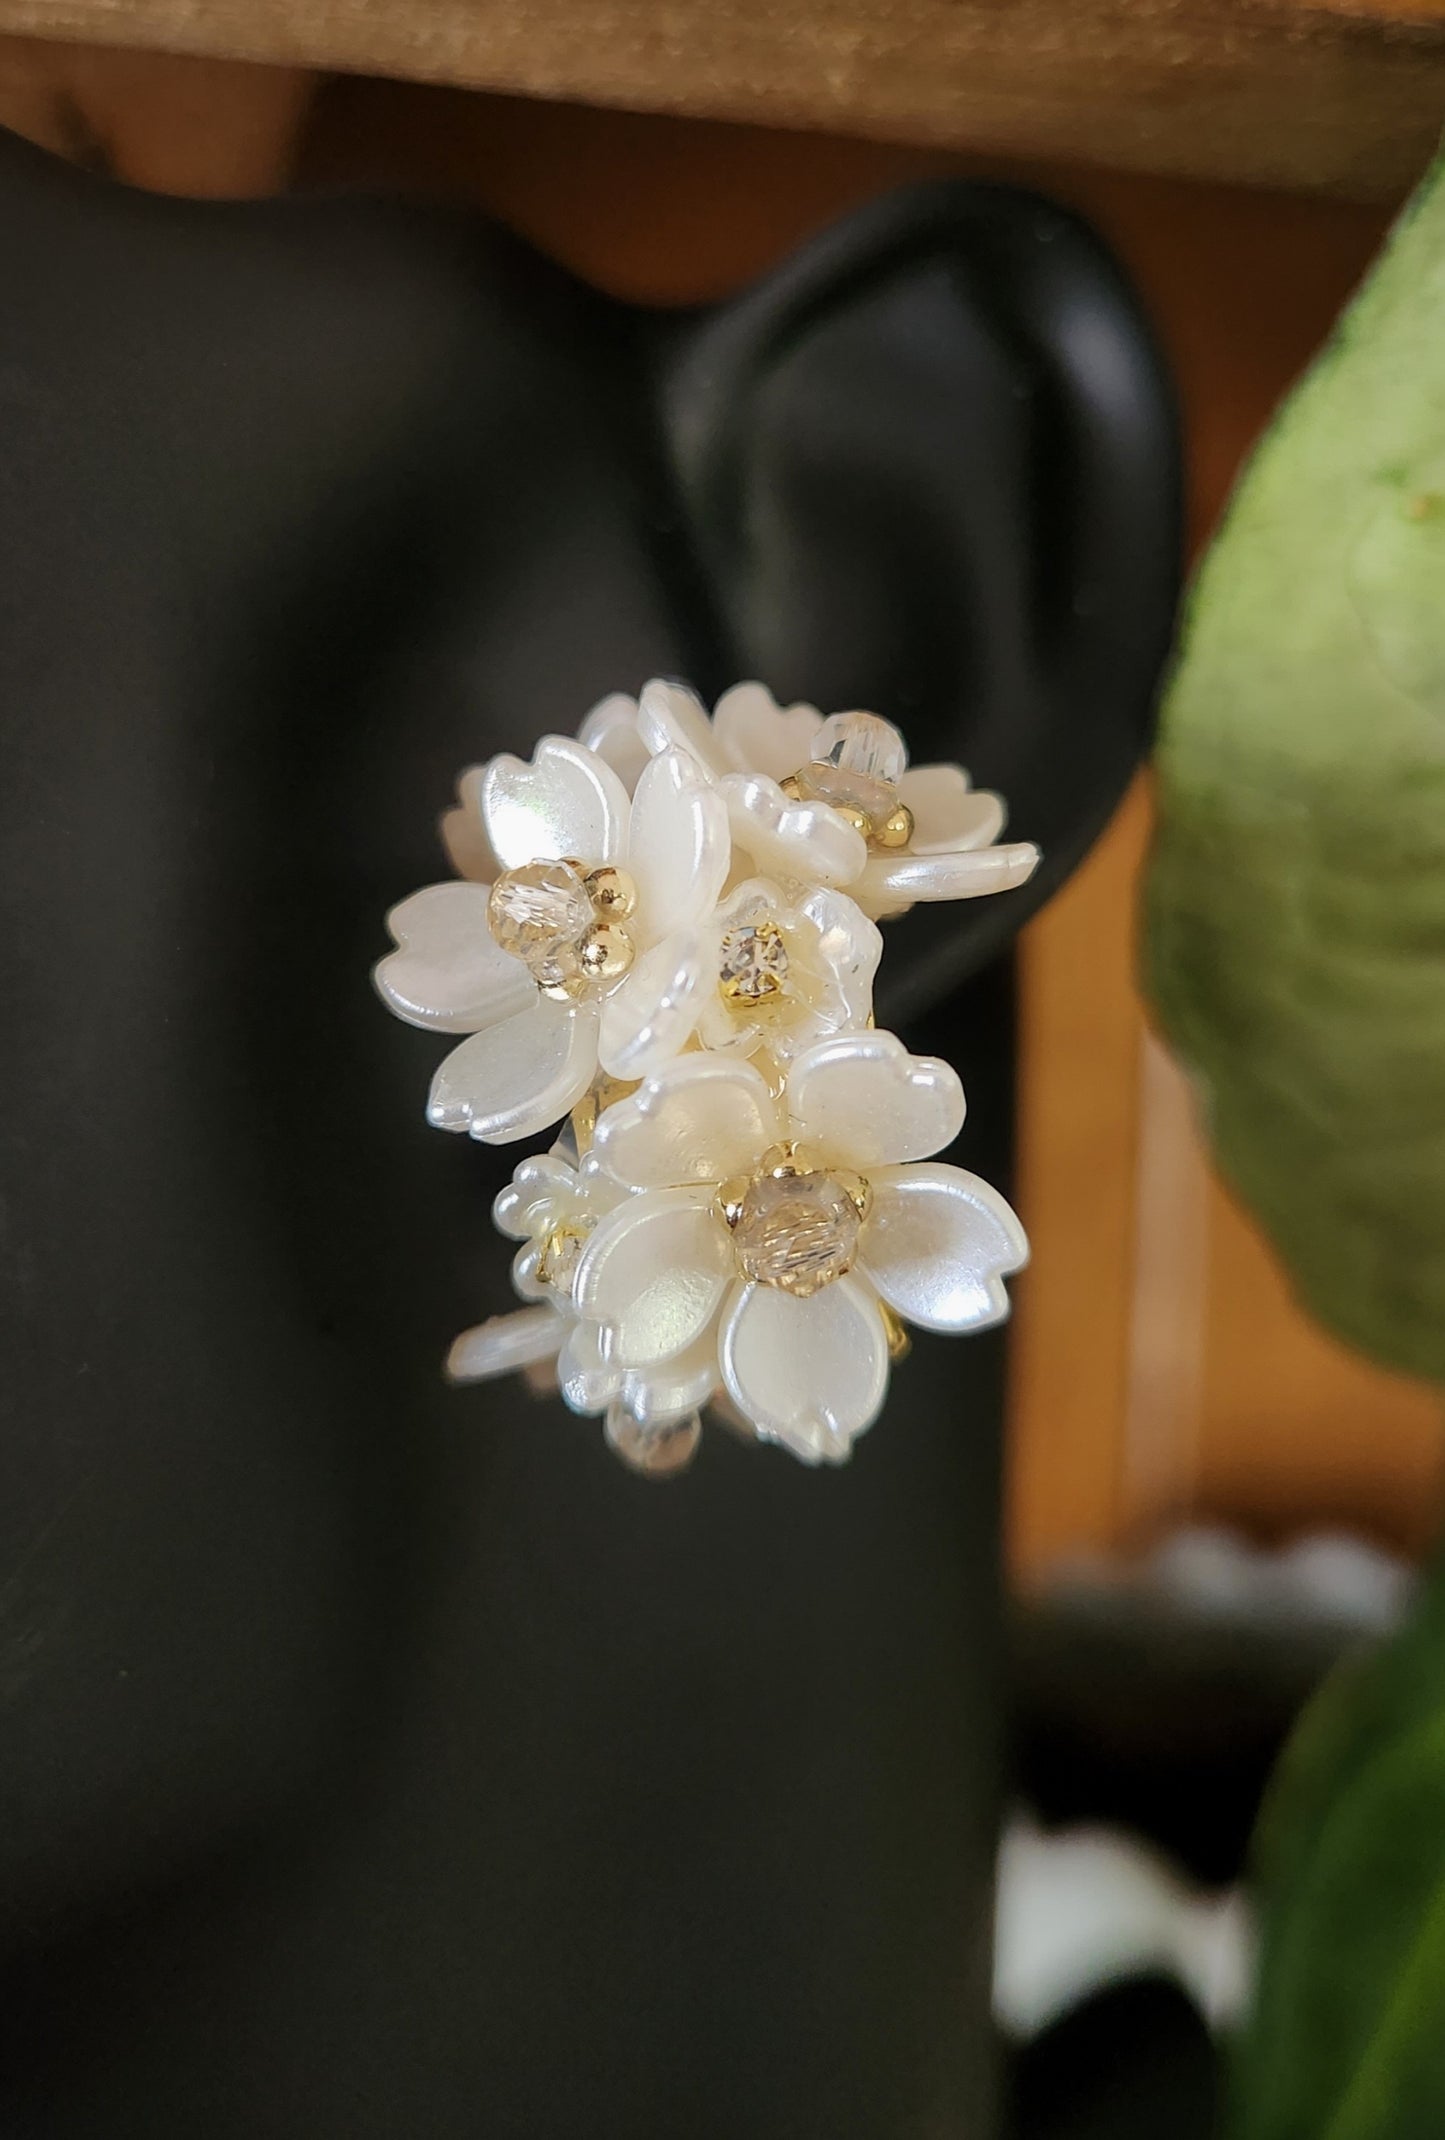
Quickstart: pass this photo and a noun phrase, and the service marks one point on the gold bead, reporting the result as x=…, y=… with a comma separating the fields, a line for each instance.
x=896, y=829
x=791, y=787
x=607, y=953
x=854, y=816
x=730, y=1197
x=612, y=892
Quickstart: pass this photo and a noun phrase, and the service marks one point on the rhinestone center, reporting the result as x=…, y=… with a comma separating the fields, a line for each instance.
x=797, y=1231
x=752, y=963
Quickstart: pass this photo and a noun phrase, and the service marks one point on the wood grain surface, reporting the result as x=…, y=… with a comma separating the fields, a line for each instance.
x=1338, y=96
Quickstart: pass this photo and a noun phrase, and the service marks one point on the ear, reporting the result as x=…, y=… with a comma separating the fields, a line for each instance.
x=931, y=467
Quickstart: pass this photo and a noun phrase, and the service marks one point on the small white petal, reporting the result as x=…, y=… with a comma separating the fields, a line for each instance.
x=464, y=835
x=542, y=1192
x=651, y=1017
x=849, y=947
x=758, y=735
x=810, y=1374
x=448, y=971
x=505, y=1343
x=670, y=717
x=611, y=730
x=862, y=1100
x=788, y=839
x=586, y=1378
x=947, y=811
x=654, y=1272
x=520, y=1076
x=939, y=1243
x=702, y=1119
x=891, y=882
x=568, y=803
x=526, y=1266
x=674, y=1387
x=678, y=850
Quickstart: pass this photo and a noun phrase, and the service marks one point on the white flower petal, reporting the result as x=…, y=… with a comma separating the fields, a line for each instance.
x=702, y=1119
x=651, y=1017
x=674, y=1387
x=939, y=1243
x=810, y=1374
x=947, y=811
x=505, y=1343
x=678, y=849
x=862, y=1100
x=526, y=1266
x=611, y=730
x=520, y=1076
x=757, y=735
x=891, y=882
x=448, y=971
x=849, y=947
x=670, y=717
x=654, y=1272
x=802, y=840
x=568, y=803
x=464, y=835
x=542, y=1192
x=586, y=1378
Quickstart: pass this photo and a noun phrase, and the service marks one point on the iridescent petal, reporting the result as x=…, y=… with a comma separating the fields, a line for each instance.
x=947, y=811
x=811, y=1373
x=805, y=841
x=670, y=717
x=861, y=1100
x=611, y=730
x=464, y=835
x=891, y=882
x=520, y=1076
x=651, y=1016
x=938, y=1244
x=586, y=1378
x=677, y=853
x=757, y=735
x=654, y=1272
x=702, y=1119
x=448, y=971
x=568, y=803
x=505, y=1343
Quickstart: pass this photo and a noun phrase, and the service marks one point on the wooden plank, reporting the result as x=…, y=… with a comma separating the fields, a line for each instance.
x=1338, y=96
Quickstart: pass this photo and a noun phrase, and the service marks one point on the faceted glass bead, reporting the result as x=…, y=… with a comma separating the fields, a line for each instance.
x=862, y=743
x=658, y=1451
x=858, y=760
x=797, y=1231
x=752, y=962
x=541, y=914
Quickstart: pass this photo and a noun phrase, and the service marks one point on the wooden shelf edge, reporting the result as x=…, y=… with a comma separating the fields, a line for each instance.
x=1341, y=97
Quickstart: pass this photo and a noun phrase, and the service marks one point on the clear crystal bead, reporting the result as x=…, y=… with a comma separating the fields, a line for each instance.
x=541, y=914
x=752, y=962
x=858, y=760
x=659, y=1451
x=797, y=1231
x=862, y=743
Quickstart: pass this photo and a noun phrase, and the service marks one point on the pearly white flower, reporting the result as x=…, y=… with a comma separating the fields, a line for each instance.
x=765, y=973
x=770, y=1232
x=835, y=802
x=553, y=1205
x=588, y=880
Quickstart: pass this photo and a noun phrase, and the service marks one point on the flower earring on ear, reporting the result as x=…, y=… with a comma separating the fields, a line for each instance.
x=664, y=935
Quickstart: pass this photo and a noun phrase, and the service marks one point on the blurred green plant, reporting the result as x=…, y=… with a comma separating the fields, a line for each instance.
x=1346, y=2040
x=1295, y=938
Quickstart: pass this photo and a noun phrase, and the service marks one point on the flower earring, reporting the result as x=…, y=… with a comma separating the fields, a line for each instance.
x=664, y=935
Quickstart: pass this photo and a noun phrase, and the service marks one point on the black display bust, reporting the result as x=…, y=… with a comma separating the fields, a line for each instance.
x=377, y=1758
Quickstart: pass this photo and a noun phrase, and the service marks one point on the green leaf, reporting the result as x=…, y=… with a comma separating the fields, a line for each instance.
x=1347, y=2037
x=1295, y=944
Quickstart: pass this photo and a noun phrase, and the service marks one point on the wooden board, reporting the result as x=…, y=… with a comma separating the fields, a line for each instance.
x=1338, y=96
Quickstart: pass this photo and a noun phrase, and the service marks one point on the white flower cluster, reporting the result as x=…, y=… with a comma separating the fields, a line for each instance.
x=665, y=930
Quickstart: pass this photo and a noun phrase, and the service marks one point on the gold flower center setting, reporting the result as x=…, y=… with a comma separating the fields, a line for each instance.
x=566, y=924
